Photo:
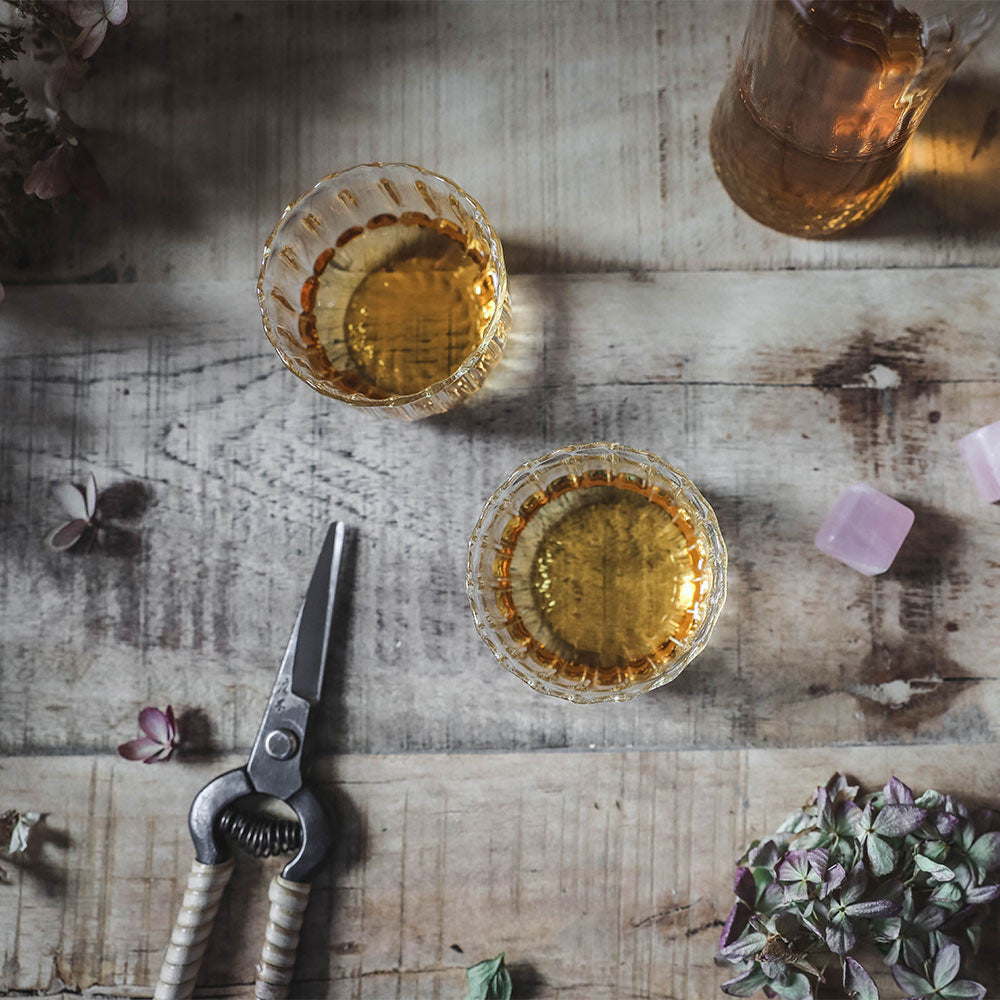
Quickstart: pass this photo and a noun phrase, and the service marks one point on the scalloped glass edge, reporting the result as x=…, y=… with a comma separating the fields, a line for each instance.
x=707, y=525
x=432, y=399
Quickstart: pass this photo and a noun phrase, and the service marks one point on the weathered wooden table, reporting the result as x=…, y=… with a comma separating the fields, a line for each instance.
x=592, y=844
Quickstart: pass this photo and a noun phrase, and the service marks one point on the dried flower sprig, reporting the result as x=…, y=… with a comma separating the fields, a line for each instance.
x=14, y=830
x=912, y=875
x=42, y=154
x=161, y=737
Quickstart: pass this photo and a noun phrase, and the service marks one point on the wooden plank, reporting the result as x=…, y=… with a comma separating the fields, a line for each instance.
x=603, y=875
x=758, y=385
x=582, y=127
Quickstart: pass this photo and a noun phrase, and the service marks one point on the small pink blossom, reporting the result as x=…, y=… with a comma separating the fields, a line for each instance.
x=161, y=737
x=81, y=505
x=67, y=77
x=93, y=17
x=68, y=167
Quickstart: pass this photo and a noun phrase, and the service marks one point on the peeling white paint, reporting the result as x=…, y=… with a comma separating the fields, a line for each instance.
x=879, y=376
x=897, y=693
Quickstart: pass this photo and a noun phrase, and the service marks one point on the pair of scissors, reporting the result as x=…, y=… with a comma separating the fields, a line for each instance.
x=274, y=768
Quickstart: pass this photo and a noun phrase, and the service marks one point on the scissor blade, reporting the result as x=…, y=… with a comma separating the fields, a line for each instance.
x=316, y=618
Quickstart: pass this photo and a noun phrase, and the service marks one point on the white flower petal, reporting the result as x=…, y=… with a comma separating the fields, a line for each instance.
x=91, y=496
x=72, y=500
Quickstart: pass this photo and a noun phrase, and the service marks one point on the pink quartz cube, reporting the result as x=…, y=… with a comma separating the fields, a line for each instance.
x=981, y=451
x=864, y=529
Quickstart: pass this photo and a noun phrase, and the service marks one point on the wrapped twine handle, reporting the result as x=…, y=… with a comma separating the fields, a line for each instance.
x=281, y=938
x=188, y=942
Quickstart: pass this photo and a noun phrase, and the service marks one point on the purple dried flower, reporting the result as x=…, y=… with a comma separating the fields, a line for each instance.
x=68, y=167
x=161, y=737
x=81, y=505
x=93, y=17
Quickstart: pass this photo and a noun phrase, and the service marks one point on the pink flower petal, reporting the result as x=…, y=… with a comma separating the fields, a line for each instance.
x=116, y=10
x=72, y=499
x=65, y=536
x=172, y=725
x=89, y=40
x=86, y=13
x=67, y=78
x=154, y=724
x=50, y=177
x=85, y=176
x=139, y=749
x=161, y=756
x=91, y=496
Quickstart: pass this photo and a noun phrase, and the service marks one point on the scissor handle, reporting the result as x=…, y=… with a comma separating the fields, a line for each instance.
x=205, y=886
x=281, y=938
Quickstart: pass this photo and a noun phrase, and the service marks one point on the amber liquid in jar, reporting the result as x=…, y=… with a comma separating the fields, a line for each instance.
x=810, y=131
x=602, y=578
x=396, y=305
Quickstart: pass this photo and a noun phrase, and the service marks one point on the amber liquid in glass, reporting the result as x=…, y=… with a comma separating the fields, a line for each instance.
x=809, y=133
x=396, y=305
x=601, y=578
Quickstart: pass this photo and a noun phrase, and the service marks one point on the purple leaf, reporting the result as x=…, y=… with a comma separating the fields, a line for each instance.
x=819, y=860
x=744, y=886
x=858, y=984
x=946, y=965
x=910, y=983
x=986, y=851
x=983, y=894
x=736, y=924
x=834, y=877
x=840, y=937
x=945, y=823
x=896, y=792
x=898, y=820
x=794, y=867
x=929, y=918
x=855, y=885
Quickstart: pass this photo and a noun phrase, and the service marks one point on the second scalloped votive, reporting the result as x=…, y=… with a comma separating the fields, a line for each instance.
x=385, y=287
x=596, y=572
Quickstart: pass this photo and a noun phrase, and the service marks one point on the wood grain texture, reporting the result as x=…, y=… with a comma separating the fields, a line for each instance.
x=757, y=385
x=581, y=126
x=603, y=876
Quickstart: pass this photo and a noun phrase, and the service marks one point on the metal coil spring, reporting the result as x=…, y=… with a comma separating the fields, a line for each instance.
x=261, y=836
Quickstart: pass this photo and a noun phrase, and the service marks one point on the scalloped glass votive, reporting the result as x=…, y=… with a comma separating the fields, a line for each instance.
x=385, y=287
x=596, y=572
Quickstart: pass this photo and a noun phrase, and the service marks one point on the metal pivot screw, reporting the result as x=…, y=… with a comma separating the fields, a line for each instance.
x=281, y=744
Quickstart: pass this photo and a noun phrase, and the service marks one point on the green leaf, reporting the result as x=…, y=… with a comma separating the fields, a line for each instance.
x=929, y=800
x=947, y=894
x=963, y=989
x=940, y=873
x=935, y=849
x=946, y=964
x=881, y=856
x=986, y=851
x=745, y=985
x=745, y=947
x=910, y=983
x=858, y=984
x=794, y=986
x=490, y=980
